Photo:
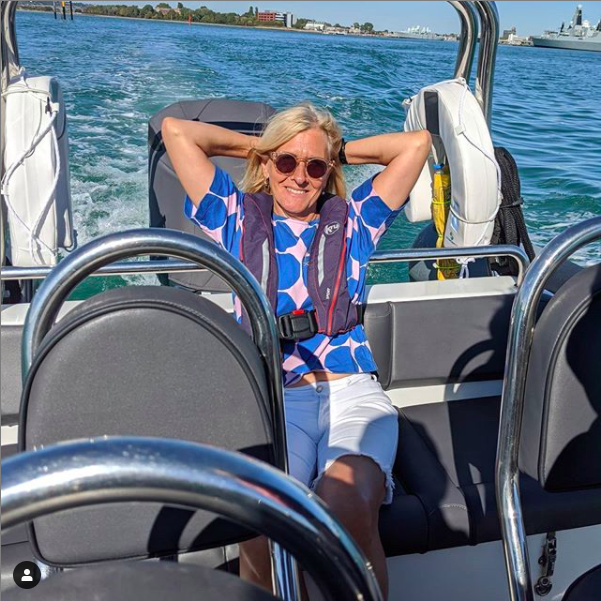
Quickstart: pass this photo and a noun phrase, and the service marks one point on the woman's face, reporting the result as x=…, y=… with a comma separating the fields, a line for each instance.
x=295, y=194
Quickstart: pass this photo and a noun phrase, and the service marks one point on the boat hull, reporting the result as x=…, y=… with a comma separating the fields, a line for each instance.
x=591, y=46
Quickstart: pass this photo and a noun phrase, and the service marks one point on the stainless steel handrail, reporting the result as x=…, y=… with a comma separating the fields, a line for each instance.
x=385, y=256
x=467, y=252
x=129, y=469
x=87, y=259
x=467, y=39
x=117, y=268
x=516, y=367
x=10, y=50
x=485, y=73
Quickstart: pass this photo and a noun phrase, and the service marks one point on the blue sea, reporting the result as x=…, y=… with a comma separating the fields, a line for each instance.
x=116, y=73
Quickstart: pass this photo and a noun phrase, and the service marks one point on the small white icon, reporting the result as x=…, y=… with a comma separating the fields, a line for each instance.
x=27, y=577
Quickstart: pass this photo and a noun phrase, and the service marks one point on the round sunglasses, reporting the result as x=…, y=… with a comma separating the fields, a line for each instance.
x=286, y=163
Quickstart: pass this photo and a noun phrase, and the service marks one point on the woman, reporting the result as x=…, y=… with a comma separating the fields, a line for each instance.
x=341, y=427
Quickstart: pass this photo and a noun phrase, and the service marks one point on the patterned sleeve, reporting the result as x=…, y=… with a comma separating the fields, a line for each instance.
x=219, y=211
x=371, y=217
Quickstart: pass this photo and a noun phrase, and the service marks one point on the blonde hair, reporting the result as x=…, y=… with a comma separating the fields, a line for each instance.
x=281, y=128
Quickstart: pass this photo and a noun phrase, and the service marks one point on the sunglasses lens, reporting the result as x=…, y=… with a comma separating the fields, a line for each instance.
x=285, y=163
x=316, y=168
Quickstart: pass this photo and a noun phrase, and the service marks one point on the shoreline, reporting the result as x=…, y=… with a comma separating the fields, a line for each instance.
x=257, y=27
x=79, y=14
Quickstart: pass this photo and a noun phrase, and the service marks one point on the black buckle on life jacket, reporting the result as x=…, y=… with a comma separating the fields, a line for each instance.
x=297, y=325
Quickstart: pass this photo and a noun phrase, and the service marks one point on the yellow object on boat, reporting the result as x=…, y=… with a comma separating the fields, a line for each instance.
x=447, y=269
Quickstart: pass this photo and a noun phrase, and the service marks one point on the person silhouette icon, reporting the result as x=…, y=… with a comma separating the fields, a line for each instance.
x=27, y=574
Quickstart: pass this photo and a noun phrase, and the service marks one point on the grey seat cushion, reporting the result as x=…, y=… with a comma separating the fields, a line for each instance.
x=585, y=588
x=446, y=461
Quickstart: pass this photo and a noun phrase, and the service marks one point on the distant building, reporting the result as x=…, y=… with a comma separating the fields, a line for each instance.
x=271, y=16
x=508, y=32
x=164, y=10
x=266, y=16
x=314, y=26
x=511, y=38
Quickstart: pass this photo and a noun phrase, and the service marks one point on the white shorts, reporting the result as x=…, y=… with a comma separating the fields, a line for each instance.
x=328, y=420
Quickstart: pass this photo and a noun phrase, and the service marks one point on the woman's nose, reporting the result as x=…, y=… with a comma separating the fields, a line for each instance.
x=300, y=173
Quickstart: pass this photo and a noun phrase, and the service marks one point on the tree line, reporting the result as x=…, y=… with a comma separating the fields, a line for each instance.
x=165, y=12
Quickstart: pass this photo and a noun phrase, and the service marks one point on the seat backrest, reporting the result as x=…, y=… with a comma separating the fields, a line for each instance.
x=460, y=339
x=561, y=427
x=166, y=195
x=10, y=357
x=144, y=361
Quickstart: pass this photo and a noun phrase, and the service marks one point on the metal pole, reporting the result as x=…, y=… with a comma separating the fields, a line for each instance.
x=467, y=39
x=521, y=333
x=489, y=37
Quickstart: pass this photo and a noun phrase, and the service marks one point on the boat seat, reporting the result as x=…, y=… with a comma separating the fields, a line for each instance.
x=460, y=339
x=445, y=469
x=144, y=361
x=165, y=192
x=142, y=581
x=446, y=454
x=10, y=383
x=585, y=588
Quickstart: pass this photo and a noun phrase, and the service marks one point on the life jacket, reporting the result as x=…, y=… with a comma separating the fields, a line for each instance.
x=326, y=278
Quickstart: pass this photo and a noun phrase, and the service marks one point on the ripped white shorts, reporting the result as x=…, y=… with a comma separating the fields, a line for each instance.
x=327, y=420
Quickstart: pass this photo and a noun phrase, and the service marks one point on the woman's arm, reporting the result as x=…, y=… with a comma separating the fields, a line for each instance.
x=189, y=145
x=403, y=155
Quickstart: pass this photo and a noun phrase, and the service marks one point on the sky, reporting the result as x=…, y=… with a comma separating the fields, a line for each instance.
x=530, y=18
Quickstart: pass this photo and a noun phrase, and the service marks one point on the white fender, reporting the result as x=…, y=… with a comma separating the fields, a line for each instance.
x=36, y=185
x=461, y=137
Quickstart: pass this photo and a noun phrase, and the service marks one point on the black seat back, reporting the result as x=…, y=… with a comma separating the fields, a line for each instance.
x=166, y=195
x=561, y=428
x=144, y=361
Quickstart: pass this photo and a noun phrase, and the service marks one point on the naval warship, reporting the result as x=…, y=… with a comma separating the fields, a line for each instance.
x=579, y=35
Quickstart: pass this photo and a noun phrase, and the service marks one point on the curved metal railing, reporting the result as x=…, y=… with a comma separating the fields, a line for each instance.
x=487, y=55
x=467, y=38
x=102, y=251
x=116, y=470
x=521, y=334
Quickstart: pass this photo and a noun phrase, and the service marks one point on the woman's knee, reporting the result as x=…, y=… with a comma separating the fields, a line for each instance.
x=353, y=486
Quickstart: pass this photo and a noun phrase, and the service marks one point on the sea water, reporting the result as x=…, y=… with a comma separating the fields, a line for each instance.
x=116, y=73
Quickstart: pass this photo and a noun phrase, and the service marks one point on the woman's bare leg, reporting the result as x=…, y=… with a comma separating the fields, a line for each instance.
x=255, y=562
x=354, y=488
x=255, y=565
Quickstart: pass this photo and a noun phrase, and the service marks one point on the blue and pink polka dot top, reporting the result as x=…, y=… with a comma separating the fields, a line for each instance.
x=220, y=215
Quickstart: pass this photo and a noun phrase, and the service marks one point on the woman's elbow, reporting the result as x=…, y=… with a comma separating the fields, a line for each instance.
x=424, y=140
x=423, y=143
x=171, y=128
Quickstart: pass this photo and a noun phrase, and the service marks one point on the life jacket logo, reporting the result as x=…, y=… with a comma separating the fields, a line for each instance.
x=331, y=228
